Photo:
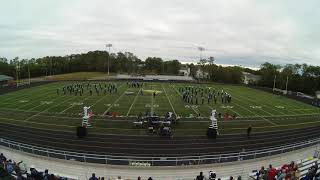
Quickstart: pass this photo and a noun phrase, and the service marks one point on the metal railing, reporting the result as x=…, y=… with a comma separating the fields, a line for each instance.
x=156, y=161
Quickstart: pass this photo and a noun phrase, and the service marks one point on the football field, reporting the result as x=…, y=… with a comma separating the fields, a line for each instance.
x=52, y=106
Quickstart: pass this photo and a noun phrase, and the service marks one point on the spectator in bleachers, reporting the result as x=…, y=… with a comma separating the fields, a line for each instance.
x=212, y=175
x=93, y=177
x=312, y=172
x=119, y=178
x=34, y=174
x=239, y=178
x=249, y=131
x=9, y=167
x=53, y=177
x=17, y=168
x=150, y=178
x=316, y=167
x=281, y=175
x=297, y=175
x=200, y=176
x=262, y=174
x=2, y=158
x=231, y=178
x=317, y=177
x=46, y=175
x=20, y=177
x=139, y=178
x=272, y=172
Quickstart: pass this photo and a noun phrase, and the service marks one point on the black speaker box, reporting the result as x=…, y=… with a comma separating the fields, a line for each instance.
x=212, y=133
x=81, y=132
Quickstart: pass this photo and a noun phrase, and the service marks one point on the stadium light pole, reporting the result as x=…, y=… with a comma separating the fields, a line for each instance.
x=201, y=49
x=108, y=46
x=17, y=73
x=29, y=71
x=287, y=84
x=274, y=82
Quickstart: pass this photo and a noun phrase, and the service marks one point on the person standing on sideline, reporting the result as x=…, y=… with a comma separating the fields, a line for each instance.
x=249, y=131
x=93, y=177
x=200, y=177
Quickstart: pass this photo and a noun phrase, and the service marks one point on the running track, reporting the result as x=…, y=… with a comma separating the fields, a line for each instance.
x=154, y=145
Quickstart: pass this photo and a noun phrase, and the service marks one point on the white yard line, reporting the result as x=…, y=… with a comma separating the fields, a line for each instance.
x=270, y=121
x=104, y=113
x=35, y=107
x=255, y=114
x=134, y=101
x=30, y=100
x=270, y=104
x=256, y=104
x=272, y=108
x=72, y=106
x=49, y=98
x=181, y=96
x=20, y=96
x=247, y=99
x=105, y=96
x=169, y=100
x=211, y=107
x=27, y=119
x=275, y=109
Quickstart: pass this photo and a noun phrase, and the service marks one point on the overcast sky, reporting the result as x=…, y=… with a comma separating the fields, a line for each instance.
x=238, y=32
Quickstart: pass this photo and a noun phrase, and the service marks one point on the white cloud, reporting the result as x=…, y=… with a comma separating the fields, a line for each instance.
x=242, y=32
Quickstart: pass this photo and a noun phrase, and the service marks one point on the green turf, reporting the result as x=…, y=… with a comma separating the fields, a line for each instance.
x=41, y=107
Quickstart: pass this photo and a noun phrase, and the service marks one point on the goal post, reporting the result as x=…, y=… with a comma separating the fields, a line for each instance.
x=318, y=94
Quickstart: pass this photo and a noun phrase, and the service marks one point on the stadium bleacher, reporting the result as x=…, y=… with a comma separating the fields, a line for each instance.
x=10, y=170
x=304, y=169
x=20, y=172
x=155, y=78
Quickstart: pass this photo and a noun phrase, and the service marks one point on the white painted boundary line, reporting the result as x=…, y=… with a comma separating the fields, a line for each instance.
x=30, y=102
x=255, y=114
x=27, y=119
x=265, y=99
x=104, y=113
x=43, y=97
x=211, y=107
x=259, y=105
x=104, y=97
x=20, y=96
x=48, y=98
x=62, y=125
x=134, y=100
x=169, y=100
x=72, y=106
x=70, y=114
x=181, y=96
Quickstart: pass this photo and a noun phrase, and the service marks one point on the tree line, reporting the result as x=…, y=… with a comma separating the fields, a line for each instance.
x=93, y=61
x=298, y=77
x=301, y=77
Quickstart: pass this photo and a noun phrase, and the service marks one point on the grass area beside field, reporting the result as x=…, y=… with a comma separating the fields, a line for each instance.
x=78, y=76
